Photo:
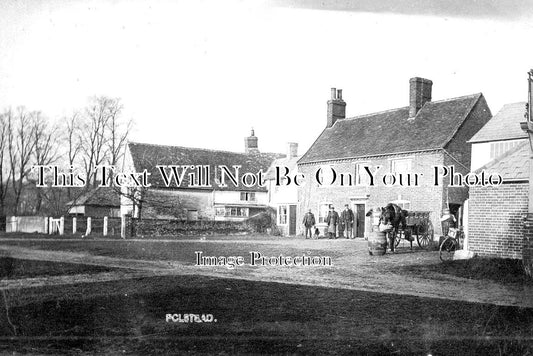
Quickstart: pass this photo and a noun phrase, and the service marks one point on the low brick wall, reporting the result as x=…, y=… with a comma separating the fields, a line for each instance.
x=496, y=220
x=158, y=227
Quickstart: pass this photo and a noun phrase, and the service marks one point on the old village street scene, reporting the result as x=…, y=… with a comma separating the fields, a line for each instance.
x=299, y=177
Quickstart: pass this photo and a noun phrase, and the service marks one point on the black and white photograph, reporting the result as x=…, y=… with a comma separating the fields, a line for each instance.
x=266, y=177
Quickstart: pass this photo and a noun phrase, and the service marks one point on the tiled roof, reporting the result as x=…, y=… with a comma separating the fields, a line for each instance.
x=513, y=165
x=148, y=156
x=99, y=196
x=392, y=131
x=505, y=125
x=290, y=163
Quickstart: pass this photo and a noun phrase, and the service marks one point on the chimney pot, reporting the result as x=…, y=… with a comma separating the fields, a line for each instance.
x=419, y=94
x=250, y=143
x=336, y=107
x=292, y=150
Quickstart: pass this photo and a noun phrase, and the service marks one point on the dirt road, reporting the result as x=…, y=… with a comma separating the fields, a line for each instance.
x=352, y=268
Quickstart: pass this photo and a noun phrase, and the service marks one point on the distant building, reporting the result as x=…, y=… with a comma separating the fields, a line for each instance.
x=499, y=135
x=97, y=202
x=284, y=197
x=410, y=139
x=193, y=203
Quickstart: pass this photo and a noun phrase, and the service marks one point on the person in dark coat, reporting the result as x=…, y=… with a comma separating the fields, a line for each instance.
x=347, y=219
x=309, y=222
x=332, y=220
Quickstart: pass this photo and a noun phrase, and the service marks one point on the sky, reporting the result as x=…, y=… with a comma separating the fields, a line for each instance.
x=203, y=73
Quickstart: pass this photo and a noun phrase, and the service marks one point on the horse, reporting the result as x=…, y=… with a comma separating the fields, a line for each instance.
x=392, y=215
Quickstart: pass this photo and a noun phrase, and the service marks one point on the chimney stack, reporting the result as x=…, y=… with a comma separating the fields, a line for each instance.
x=250, y=143
x=419, y=94
x=336, y=107
x=292, y=150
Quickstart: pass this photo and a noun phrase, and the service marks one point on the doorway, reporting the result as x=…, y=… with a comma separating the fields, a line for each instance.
x=292, y=220
x=359, y=223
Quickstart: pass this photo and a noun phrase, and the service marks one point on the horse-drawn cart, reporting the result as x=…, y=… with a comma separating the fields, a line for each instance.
x=417, y=223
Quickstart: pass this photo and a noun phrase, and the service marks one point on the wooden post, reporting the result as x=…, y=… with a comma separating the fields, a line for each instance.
x=61, y=225
x=88, y=231
x=46, y=225
x=105, y=225
x=74, y=226
x=50, y=225
x=123, y=226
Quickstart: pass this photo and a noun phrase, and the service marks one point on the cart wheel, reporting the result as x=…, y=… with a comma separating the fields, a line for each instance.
x=447, y=249
x=424, y=234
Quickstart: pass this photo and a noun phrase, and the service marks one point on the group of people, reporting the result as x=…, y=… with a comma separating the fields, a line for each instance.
x=343, y=223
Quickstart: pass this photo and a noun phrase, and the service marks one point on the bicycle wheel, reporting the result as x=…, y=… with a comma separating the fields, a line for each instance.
x=447, y=249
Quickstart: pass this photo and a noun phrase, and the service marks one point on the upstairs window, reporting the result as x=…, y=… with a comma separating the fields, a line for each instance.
x=401, y=165
x=247, y=196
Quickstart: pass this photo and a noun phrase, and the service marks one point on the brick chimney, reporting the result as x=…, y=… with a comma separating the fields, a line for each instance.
x=419, y=94
x=250, y=143
x=336, y=107
x=292, y=150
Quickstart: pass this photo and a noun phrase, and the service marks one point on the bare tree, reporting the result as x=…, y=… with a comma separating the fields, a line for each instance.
x=92, y=136
x=5, y=170
x=117, y=133
x=73, y=143
x=21, y=127
x=46, y=149
x=103, y=135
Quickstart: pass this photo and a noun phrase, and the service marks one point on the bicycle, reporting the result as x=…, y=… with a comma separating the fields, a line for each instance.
x=451, y=243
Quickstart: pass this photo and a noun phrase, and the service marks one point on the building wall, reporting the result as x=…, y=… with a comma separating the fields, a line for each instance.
x=234, y=197
x=425, y=197
x=496, y=220
x=481, y=152
x=101, y=211
x=284, y=196
x=480, y=155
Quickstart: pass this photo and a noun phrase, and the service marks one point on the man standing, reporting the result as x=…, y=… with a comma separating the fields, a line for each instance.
x=347, y=218
x=309, y=222
x=332, y=220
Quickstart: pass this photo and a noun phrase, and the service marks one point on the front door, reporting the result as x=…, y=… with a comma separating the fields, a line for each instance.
x=292, y=219
x=359, y=226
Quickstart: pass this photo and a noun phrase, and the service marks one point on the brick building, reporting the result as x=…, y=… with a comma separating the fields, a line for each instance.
x=410, y=139
x=496, y=214
x=189, y=202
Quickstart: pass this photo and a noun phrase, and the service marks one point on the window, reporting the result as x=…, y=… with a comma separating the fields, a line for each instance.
x=402, y=203
x=247, y=196
x=499, y=148
x=361, y=175
x=282, y=214
x=327, y=176
x=323, y=210
x=401, y=166
x=232, y=211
